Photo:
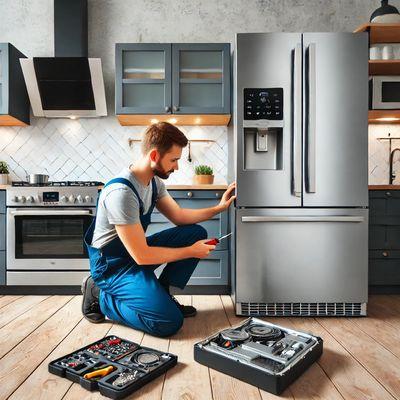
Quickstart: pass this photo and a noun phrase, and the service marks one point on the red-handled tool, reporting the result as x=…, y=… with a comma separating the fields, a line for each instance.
x=215, y=241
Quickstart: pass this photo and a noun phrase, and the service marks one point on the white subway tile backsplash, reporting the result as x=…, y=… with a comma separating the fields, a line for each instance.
x=97, y=149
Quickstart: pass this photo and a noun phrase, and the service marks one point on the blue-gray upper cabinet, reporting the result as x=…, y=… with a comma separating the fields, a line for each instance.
x=2, y=237
x=201, y=78
x=187, y=84
x=143, y=78
x=14, y=100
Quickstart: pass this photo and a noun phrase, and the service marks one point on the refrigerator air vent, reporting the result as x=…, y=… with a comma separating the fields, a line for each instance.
x=303, y=309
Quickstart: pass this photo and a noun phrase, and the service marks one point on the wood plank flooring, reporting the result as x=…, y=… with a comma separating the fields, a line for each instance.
x=361, y=358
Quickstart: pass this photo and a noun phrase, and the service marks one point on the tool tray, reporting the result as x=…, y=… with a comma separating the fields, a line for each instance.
x=263, y=354
x=133, y=366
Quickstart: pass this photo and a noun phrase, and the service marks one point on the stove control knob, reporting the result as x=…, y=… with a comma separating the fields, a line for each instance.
x=79, y=198
x=30, y=199
x=64, y=199
x=15, y=199
x=21, y=199
x=71, y=198
x=88, y=199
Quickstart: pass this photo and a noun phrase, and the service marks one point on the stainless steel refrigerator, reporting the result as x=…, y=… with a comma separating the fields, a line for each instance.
x=301, y=165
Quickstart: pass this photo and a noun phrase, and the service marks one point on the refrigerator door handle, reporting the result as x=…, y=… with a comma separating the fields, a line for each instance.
x=304, y=218
x=297, y=121
x=311, y=115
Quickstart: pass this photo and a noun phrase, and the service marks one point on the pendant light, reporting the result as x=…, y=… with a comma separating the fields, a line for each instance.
x=385, y=14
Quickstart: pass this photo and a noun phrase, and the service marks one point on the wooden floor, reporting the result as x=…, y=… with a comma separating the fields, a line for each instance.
x=361, y=358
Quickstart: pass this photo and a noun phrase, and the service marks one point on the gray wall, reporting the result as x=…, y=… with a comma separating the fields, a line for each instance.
x=29, y=24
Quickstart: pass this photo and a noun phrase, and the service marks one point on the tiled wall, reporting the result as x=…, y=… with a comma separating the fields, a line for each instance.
x=97, y=149
x=378, y=160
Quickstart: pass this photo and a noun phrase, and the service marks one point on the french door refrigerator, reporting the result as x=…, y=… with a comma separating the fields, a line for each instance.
x=301, y=165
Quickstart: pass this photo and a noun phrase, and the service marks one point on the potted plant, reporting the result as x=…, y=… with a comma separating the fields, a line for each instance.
x=3, y=173
x=203, y=175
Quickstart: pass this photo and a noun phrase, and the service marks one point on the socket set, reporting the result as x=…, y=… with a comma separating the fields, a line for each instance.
x=260, y=353
x=115, y=367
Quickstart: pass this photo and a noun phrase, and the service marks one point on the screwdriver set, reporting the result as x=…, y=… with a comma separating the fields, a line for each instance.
x=115, y=367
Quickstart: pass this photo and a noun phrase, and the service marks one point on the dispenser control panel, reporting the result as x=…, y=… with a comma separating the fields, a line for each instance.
x=263, y=104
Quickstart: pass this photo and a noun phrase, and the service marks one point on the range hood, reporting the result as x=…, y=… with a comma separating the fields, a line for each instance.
x=69, y=84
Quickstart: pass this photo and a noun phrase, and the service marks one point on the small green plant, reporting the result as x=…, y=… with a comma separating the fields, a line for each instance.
x=4, y=168
x=203, y=170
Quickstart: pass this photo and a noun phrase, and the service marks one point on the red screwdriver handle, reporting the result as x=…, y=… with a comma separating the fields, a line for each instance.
x=213, y=242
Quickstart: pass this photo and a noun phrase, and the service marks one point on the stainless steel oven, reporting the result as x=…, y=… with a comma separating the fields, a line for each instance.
x=45, y=234
x=42, y=238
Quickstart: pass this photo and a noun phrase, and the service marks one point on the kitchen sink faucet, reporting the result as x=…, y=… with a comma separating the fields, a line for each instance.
x=392, y=175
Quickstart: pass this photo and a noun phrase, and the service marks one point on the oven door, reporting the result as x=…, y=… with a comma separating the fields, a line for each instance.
x=385, y=92
x=47, y=239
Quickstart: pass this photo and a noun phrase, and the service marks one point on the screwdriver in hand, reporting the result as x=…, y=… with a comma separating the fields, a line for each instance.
x=215, y=241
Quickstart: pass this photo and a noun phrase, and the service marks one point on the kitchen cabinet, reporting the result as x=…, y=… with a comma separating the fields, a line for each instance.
x=14, y=101
x=2, y=237
x=187, y=84
x=211, y=274
x=384, y=241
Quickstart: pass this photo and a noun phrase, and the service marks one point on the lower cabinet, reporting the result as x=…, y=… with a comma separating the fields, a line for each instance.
x=384, y=241
x=214, y=270
x=2, y=267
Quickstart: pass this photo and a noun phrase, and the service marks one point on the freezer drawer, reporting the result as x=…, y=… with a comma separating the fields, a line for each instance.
x=301, y=256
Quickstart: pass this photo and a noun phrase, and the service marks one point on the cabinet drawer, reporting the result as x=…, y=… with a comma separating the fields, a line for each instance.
x=384, y=237
x=196, y=194
x=212, y=270
x=2, y=201
x=384, y=268
x=383, y=202
x=2, y=232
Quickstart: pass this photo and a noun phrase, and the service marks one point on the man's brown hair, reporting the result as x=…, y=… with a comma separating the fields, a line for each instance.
x=162, y=136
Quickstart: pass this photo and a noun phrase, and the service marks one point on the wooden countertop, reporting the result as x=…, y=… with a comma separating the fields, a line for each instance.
x=169, y=187
x=384, y=187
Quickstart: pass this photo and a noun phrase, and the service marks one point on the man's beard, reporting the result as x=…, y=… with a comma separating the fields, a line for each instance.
x=161, y=173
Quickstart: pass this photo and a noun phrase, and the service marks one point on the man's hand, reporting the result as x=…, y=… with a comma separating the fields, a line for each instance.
x=227, y=198
x=200, y=249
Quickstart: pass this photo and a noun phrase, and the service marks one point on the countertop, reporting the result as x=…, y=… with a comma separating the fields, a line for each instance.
x=169, y=187
x=384, y=187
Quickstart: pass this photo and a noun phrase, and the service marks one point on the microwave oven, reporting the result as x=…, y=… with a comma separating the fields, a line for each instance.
x=384, y=92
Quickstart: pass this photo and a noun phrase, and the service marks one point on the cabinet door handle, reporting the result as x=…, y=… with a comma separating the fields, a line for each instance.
x=167, y=109
x=385, y=254
x=175, y=108
x=388, y=194
x=189, y=194
x=217, y=194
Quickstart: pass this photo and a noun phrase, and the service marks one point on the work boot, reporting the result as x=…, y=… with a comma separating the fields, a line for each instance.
x=187, y=311
x=90, y=302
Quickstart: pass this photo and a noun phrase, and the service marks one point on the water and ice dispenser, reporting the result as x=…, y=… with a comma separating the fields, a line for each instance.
x=263, y=128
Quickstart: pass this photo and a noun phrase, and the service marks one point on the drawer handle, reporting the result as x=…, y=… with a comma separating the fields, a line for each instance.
x=217, y=194
x=385, y=254
x=388, y=194
x=189, y=194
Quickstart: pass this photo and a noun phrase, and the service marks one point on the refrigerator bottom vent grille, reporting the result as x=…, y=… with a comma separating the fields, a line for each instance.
x=303, y=309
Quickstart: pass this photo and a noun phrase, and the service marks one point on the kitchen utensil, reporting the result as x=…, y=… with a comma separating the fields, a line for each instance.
x=37, y=179
x=215, y=241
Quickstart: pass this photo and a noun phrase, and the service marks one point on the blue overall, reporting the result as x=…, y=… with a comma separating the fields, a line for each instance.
x=130, y=293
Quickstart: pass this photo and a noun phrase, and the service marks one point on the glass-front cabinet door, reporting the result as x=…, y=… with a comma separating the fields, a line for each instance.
x=143, y=78
x=201, y=78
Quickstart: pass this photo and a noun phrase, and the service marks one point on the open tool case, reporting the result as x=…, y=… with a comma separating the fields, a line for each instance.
x=132, y=366
x=260, y=353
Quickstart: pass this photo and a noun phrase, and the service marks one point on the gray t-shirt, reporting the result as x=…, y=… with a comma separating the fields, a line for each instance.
x=118, y=205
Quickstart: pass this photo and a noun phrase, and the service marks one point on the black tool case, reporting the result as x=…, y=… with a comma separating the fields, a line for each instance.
x=136, y=364
x=260, y=361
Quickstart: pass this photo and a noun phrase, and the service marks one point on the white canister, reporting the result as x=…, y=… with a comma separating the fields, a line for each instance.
x=375, y=53
x=3, y=179
x=387, y=52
